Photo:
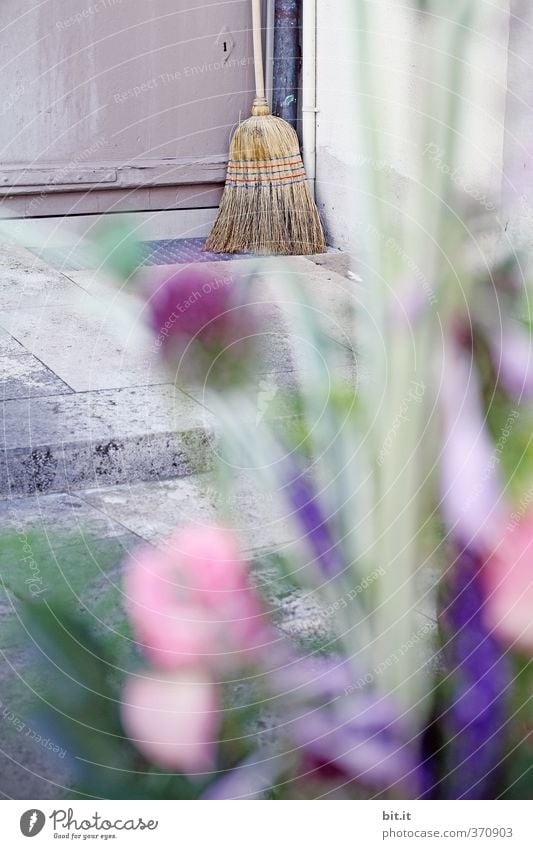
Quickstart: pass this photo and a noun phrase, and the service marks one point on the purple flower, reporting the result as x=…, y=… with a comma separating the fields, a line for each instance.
x=346, y=733
x=250, y=779
x=512, y=354
x=475, y=721
x=328, y=733
x=315, y=524
x=202, y=326
x=471, y=492
x=343, y=740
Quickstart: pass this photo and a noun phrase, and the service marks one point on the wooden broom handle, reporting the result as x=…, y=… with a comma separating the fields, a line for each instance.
x=260, y=104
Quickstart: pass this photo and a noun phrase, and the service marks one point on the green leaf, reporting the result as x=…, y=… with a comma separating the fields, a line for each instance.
x=520, y=774
x=117, y=248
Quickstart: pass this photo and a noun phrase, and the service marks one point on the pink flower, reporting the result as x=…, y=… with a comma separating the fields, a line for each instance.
x=173, y=720
x=508, y=578
x=191, y=601
x=210, y=563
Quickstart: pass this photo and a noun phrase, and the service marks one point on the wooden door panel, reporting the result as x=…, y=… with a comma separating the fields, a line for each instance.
x=117, y=95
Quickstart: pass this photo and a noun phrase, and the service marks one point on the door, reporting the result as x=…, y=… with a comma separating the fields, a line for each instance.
x=120, y=104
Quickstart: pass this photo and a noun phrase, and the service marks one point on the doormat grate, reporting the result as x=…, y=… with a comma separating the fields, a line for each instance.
x=171, y=251
x=155, y=252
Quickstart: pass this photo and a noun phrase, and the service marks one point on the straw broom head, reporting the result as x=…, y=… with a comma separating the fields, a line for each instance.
x=266, y=207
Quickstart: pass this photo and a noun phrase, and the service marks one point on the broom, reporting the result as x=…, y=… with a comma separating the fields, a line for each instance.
x=266, y=206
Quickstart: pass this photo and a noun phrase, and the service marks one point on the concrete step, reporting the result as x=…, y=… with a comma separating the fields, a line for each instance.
x=84, y=440
x=66, y=442
x=61, y=443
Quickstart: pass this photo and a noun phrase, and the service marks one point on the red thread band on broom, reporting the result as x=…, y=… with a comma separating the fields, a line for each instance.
x=295, y=155
x=261, y=177
x=253, y=183
x=265, y=172
x=264, y=169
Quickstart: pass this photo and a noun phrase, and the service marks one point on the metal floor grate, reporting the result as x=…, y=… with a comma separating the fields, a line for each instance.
x=170, y=251
x=155, y=252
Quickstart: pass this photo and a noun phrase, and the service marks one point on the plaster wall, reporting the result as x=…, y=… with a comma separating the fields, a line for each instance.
x=395, y=65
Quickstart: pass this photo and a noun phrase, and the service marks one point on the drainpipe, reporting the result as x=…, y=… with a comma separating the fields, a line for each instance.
x=286, y=60
x=289, y=15
x=309, y=107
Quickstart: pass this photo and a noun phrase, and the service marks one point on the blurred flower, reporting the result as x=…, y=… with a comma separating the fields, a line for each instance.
x=252, y=777
x=201, y=326
x=359, y=739
x=475, y=721
x=173, y=720
x=508, y=579
x=512, y=353
x=191, y=602
x=210, y=563
x=471, y=492
x=308, y=511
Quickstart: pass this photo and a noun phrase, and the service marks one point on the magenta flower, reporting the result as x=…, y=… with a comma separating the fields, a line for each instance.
x=173, y=719
x=201, y=324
